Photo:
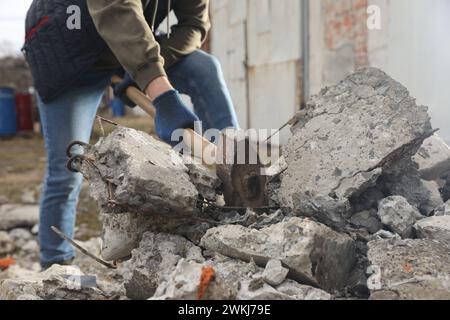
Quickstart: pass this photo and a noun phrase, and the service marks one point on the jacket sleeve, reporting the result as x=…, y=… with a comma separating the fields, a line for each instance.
x=121, y=23
x=190, y=31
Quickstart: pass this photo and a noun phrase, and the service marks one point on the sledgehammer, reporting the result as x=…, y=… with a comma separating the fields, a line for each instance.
x=243, y=184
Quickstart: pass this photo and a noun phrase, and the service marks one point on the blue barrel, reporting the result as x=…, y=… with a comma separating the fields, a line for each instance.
x=8, y=118
x=118, y=108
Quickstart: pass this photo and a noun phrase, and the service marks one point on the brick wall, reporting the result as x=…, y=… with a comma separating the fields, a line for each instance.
x=346, y=23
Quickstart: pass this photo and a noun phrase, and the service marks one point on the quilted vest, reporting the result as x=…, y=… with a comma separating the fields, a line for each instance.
x=59, y=56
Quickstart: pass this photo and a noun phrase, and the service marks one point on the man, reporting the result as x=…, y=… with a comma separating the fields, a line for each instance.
x=72, y=66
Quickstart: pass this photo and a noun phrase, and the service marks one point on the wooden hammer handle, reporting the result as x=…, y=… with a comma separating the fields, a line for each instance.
x=137, y=97
x=191, y=138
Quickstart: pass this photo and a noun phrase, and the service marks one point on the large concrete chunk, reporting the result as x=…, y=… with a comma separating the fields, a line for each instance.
x=437, y=228
x=16, y=216
x=398, y=215
x=130, y=171
x=344, y=139
x=433, y=158
x=409, y=269
x=311, y=251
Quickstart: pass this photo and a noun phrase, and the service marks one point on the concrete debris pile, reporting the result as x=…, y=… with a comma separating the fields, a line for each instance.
x=21, y=277
x=361, y=191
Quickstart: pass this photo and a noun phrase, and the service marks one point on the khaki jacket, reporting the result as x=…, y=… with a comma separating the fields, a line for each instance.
x=122, y=24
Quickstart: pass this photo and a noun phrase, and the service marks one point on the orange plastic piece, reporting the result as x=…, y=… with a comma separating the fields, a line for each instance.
x=408, y=268
x=208, y=275
x=5, y=263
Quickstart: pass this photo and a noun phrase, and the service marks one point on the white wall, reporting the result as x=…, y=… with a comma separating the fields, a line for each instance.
x=259, y=45
x=414, y=48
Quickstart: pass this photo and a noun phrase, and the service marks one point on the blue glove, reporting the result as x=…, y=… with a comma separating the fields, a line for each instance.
x=121, y=88
x=172, y=114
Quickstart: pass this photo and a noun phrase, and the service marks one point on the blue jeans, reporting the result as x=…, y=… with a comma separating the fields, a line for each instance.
x=71, y=116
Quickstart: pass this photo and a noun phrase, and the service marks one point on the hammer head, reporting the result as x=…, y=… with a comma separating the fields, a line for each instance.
x=239, y=167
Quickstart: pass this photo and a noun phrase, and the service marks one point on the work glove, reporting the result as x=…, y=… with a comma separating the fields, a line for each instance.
x=121, y=88
x=172, y=114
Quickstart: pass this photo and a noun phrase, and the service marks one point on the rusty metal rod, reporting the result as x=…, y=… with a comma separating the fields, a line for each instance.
x=108, y=264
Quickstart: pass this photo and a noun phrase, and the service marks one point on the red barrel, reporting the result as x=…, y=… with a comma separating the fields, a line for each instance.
x=24, y=110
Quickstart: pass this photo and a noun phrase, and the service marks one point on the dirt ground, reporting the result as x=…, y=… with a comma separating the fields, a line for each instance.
x=22, y=167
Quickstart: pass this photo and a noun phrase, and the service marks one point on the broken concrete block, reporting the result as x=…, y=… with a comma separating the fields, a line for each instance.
x=384, y=234
x=436, y=228
x=274, y=273
x=56, y=283
x=368, y=200
x=311, y=251
x=122, y=233
x=302, y=292
x=16, y=272
x=349, y=134
x=276, y=168
x=17, y=216
x=130, y=171
x=403, y=179
x=153, y=261
x=251, y=219
x=262, y=291
x=443, y=210
x=20, y=236
x=398, y=215
x=185, y=283
x=433, y=158
x=6, y=243
x=368, y=220
x=257, y=289
x=203, y=177
x=31, y=246
x=409, y=270
x=445, y=190
x=434, y=200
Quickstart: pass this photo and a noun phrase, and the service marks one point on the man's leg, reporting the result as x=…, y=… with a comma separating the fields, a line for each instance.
x=200, y=76
x=70, y=117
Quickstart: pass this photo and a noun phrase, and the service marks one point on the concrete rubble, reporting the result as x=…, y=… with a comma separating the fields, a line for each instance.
x=398, y=215
x=57, y=282
x=308, y=249
x=356, y=212
x=16, y=216
x=130, y=171
x=436, y=228
x=346, y=138
x=443, y=210
x=274, y=273
x=6, y=243
x=433, y=158
x=409, y=270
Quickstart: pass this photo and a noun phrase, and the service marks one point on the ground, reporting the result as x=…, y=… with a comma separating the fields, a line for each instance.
x=22, y=167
